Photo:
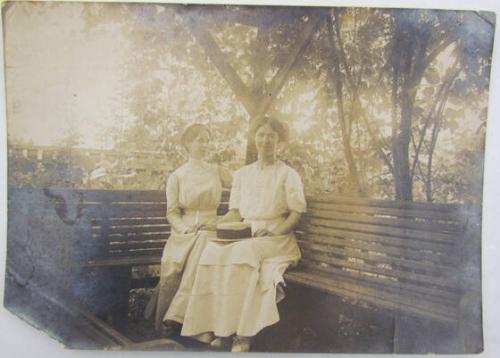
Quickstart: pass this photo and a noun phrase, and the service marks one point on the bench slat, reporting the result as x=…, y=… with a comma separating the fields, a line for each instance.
x=108, y=196
x=125, y=245
x=381, y=283
x=132, y=260
x=117, y=208
x=421, y=225
x=133, y=252
x=382, y=230
x=135, y=229
x=432, y=258
x=450, y=217
x=370, y=297
x=394, y=204
x=392, y=287
x=378, y=257
x=104, y=195
x=132, y=221
x=139, y=237
x=364, y=267
x=98, y=212
x=388, y=240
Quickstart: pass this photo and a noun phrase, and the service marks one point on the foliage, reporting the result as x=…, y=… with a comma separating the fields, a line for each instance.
x=385, y=103
x=63, y=168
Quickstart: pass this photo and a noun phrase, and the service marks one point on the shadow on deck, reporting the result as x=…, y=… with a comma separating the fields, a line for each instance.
x=329, y=326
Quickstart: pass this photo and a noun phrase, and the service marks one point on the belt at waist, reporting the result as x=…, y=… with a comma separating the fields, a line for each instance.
x=205, y=212
x=269, y=224
x=266, y=220
x=191, y=216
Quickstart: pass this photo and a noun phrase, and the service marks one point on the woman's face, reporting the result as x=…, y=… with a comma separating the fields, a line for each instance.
x=266, y=140
x=197, y=149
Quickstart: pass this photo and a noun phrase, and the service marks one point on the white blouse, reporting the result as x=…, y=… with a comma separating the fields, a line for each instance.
x=267, y=193
x=194, y=186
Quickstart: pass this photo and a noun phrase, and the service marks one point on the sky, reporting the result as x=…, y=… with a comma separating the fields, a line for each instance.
x=63, y=80
x=60, y=79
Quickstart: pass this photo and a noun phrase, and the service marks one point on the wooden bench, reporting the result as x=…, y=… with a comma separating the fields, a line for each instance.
x=116, y=228
x=414, y=259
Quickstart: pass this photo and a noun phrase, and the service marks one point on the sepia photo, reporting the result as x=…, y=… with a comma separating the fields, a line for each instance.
x=236, y=178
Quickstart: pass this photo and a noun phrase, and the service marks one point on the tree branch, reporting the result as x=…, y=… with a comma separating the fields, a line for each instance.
x=342, y=54
x=447, y=40
x=445, y=87
x=272, y=91
x=218, y=58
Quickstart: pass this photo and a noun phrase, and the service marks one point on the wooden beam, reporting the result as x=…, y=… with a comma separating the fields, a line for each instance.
x=274, y=88
x=256, y=101
x=218, y=58
x=271, y=91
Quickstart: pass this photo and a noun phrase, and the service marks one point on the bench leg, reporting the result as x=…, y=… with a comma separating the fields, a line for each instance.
x=470, y=325
x=119, y=297
x=104, y=291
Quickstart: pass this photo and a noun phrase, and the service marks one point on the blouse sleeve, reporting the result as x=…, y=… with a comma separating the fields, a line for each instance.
x=294, y=189
x=173, y=208
x=226, y=177
x=234, y=199
x=172, y=193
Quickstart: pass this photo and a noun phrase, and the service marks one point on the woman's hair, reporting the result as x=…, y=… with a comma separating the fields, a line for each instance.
x=192, y=132
x=278, y=126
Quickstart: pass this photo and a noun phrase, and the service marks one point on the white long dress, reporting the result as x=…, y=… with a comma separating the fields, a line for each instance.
x=194, y=190
x=236, y=286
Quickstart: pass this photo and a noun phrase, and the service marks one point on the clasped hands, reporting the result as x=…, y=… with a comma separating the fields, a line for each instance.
x=195, y=228
x=263, y=232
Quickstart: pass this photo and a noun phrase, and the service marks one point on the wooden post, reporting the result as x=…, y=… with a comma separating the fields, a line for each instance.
x=116, y=281
x=218, y=59
x=268, y=93
x=259, y=99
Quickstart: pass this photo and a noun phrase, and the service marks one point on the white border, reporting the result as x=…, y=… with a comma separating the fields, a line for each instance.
x=18, y=339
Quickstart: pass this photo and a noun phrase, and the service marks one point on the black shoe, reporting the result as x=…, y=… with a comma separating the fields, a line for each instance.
x=171, y=328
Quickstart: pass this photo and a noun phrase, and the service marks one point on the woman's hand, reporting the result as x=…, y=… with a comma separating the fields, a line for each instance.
x=231, y=215
x=288, y=225
x=192, y=229
x=263, y=232
x=208, y=227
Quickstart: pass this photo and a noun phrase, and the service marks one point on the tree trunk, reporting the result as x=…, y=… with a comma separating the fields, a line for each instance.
x=397, y=142
x=402, y=107
x=402, y=145
x=346, y=137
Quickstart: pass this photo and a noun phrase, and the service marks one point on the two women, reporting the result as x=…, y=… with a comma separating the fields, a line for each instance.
x=236, y=286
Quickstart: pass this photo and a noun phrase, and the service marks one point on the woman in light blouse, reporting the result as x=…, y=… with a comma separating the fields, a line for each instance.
x=193, y=195
x=237, y=285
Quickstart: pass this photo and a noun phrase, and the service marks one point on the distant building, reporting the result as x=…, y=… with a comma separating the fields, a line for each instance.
x=105, y=169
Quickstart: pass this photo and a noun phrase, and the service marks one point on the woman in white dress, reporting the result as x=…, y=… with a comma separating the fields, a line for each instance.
x=193, y=195
x=237, y=285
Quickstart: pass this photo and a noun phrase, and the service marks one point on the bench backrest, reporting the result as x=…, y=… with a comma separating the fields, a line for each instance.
x=378, y=251
x=117, y=227
x=386, y=253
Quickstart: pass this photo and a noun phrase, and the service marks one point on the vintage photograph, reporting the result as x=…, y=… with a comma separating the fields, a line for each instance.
x=235, y=178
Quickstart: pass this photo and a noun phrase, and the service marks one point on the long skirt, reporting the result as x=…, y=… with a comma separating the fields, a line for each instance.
x=236, y=288
x=180, y=256
x=179, y=302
